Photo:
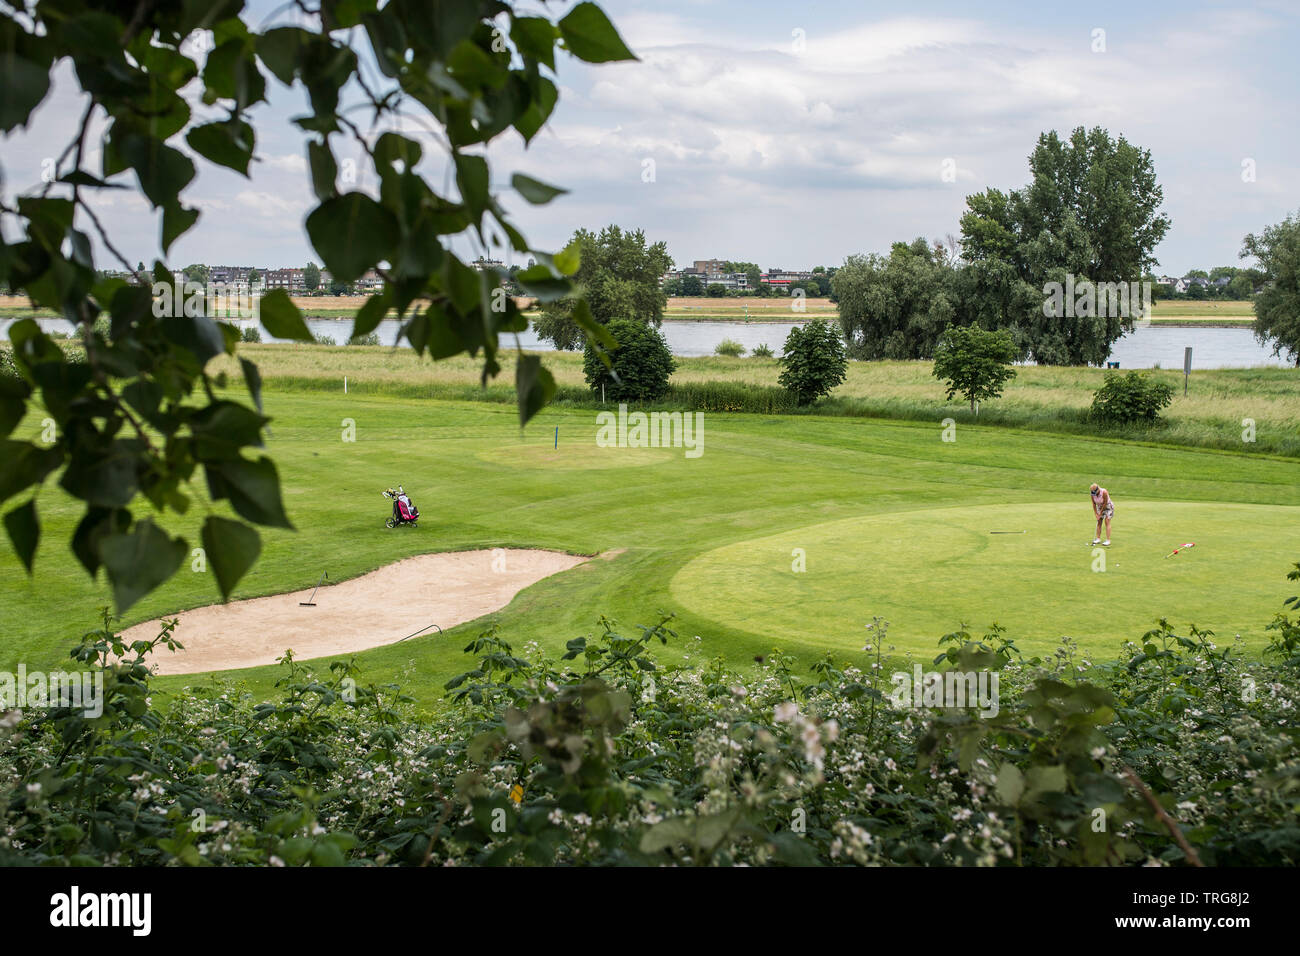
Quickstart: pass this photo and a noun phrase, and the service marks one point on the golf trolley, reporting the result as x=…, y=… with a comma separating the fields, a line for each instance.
x=404, y=511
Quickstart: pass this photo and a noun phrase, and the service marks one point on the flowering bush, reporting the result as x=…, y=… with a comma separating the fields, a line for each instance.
x=1179, y=752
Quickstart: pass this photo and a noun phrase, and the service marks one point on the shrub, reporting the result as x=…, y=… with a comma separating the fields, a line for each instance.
x=371, y=338
x=814, y=359
x=729, y=347
x=761, y=351
x=974, y=363
x=639, y=367
x=1126, y=399
x=716, y=290
x=250, y=334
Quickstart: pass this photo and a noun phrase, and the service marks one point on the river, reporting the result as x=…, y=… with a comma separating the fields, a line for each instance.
x=1141, y=348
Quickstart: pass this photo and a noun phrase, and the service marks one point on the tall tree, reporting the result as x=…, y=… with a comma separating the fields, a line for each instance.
x=895, y=306
x=1091, y=213
x=1277, y=305
x=619, y=275
x=311, y=277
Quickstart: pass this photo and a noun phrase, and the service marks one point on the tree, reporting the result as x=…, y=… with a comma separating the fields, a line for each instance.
x=814, y=361
x=136, y=412
x=716, y=290
x=252, y=277
x=753, y=278
x=311, y=277
x=974, y=363
x=196, y=272
x=1090, y=213
x=1277, y=304
x=692, y=286
x=640, y=363
x=618, y=274
x=673, y=288
x=895, y=307
x=1131, y=398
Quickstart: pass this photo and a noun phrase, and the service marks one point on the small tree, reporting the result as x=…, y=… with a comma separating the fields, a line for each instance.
x=691, y=286
x=1126, y=399
x=640, y=365
x=974, y=362
x=716, y=290
x=1277, y=307
x=815, y=361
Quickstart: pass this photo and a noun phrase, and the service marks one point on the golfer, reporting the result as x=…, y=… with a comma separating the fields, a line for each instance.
x=1104, y=509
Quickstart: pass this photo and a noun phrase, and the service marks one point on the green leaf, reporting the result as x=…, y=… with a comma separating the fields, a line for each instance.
x=472, y=180
x=253, y=379
x=231, y=549
x=371, y=314
x=281, y=49
x=281, y=317
x=176, y=221
x=163, y=172
x=253, y=488
x=351, y=232
x=537, y=193
x=324, y=169
x=25, y=84
x=23, y=465
x=534, y=386
x=24, y=531
x=590, y=36
x=569, y=259
x=530, y=122
x=535, y=37
x=139, y=561
x=228, y=143
x=1010, y=784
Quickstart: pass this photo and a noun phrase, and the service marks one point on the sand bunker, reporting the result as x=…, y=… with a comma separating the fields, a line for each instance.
x=378, y=608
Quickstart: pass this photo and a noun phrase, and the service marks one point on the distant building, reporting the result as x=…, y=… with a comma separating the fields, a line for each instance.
x=710, y=266
x=291, y=280
x=482, y=265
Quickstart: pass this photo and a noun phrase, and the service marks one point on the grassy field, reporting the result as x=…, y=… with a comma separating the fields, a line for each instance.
x=892, y=519
x=1052, y=399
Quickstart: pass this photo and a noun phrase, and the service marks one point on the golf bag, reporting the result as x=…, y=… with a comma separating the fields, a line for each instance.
x=404, y=510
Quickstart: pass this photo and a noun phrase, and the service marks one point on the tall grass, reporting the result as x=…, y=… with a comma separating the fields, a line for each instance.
x=1038, y=398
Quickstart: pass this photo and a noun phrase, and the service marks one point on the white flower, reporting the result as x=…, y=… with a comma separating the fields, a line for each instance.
x=785, y=712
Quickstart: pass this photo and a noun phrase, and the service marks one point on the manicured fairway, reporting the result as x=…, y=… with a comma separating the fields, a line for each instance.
x=819, y=483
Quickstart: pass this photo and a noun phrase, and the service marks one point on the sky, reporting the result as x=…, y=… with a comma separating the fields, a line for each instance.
x=794, y=135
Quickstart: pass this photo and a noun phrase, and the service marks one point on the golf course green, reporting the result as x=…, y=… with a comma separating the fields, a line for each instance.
x=894, y=522
x=1029, y=567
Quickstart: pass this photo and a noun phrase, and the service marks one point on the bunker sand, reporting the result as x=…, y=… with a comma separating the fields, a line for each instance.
x=378, y=608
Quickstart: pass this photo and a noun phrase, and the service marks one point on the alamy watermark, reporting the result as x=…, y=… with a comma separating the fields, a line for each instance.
x=218, y=300
x=653, y=430
x=1087, y=299
x=80, y=690
x=945, y=690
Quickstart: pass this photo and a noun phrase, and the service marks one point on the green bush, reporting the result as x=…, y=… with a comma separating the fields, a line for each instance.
x=815, y=361
x=1131, y=398
x=762, y=351
x=603, y=757
x=370, y=339
x=729, y=347
x=250, y=334
x=640, y=366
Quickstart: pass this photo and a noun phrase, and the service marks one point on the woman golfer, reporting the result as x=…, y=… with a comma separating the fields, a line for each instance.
x=1104, y=509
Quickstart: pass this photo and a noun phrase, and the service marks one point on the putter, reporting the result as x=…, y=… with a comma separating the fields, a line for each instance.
x=1008, y=532
x=312, y=601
